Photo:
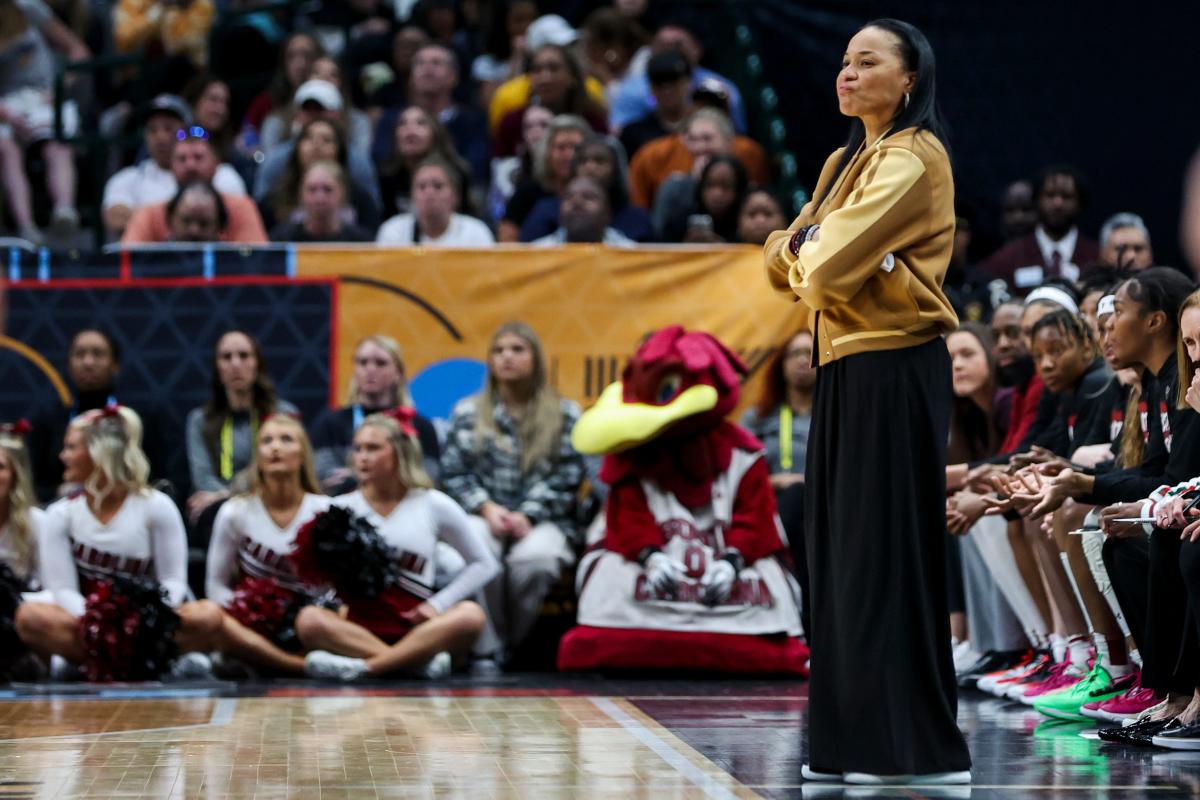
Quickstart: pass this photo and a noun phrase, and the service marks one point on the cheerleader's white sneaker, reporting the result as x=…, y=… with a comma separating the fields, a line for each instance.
x=191, y=667
x=327, y=666
x=438, y=666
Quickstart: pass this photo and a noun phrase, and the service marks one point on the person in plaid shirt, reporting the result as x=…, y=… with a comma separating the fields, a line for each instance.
x=509, y=462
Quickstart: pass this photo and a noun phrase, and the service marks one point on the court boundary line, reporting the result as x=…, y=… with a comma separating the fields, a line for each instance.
x=706, y=783
x=222, y=715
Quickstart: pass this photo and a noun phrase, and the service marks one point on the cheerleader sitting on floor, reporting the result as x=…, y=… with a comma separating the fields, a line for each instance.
x=20, y=518
x=406, y=628
x=249, y=573
x=116, y=532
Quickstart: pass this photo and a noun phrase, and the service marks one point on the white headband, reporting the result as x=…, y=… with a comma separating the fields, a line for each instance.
x=1107, y=305
x=1054, y=295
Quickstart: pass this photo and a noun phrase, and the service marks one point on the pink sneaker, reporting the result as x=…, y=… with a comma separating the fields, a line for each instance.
x=1124, y=706
x=1065, y=678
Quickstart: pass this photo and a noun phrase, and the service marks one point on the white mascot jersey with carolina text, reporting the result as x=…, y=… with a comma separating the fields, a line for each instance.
x=614, y=592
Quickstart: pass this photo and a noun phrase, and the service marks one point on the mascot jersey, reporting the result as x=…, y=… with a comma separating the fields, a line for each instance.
x=246, y=543
x=413, y=529
x=145, y=538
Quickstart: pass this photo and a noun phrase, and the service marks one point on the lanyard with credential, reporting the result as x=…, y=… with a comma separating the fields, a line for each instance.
x=358, y=416
x=785, y=437
x=227, y=443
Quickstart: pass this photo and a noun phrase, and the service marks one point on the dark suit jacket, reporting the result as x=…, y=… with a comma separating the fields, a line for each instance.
x=1014, y=256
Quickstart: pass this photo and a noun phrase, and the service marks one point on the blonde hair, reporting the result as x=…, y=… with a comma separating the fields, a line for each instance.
x=540, y=427
x=400, y=395
x=114, y=442
x=252, y=476
x=20, y=501
x=410, y=462
x=1187, y=370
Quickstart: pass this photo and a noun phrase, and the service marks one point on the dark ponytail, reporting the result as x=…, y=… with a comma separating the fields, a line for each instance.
x=920, y=112
x=1161, y=289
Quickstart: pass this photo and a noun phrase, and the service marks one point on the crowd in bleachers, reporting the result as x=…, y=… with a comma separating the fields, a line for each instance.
x=438, y=122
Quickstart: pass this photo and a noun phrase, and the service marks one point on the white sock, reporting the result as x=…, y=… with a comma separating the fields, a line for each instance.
x=1104, y=657
x=1079, y=650
x=1135, y=657
x=1058, y=647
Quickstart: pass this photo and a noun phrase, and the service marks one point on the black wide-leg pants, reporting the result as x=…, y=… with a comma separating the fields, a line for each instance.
x=882, y=695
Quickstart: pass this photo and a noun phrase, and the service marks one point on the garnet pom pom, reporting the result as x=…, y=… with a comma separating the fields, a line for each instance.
x=127, y=630
x=267, y=608
x=336, y=548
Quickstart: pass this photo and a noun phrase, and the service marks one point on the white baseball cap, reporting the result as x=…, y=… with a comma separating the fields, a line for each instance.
x=321, y=92
x=550, y=29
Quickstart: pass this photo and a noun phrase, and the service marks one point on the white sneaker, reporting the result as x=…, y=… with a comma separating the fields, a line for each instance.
x=965, y=657
x=191, y=667
x=64, y=671
x=810, y=774
x=928, y=779
x=438, y=667
x=327, y=666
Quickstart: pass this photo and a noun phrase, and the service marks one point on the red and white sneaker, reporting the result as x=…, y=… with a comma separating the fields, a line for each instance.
x=1124, y=706
x=998, y=683
x=1045, y=669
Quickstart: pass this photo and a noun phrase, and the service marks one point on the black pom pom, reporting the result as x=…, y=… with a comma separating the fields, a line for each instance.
x=336, y=548
x=12, y=649
x=128, y=630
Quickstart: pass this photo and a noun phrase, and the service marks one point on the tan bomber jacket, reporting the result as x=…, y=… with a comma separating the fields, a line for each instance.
x=873, y=278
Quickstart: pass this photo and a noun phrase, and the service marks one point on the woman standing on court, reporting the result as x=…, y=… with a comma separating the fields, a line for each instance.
x=868, y=256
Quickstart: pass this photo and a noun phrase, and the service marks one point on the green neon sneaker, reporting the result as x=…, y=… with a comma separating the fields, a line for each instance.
x=1066, y=703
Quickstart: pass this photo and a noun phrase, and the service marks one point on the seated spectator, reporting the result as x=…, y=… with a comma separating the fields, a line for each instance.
x=296, y=56
x=434, y=79
x=1018, y=214
x=323, y=209
x=552, y=162
x=637, y=99
x=196, y=214
x=177, y=28
x=153, y=179
x=209, y=98
x=509, y=462
x=670, y=76
x=601, y=160
x=1125, y=243
x=615, y=51
x=390, y=82
x=781, y=420
x=706, y=133
x=221, y=435
x=507, y=173
x=194, y=159
x=517, y=92
x=1056, y=248
x=282, y=158
x=416, y=135
x=504, y=49
x=761, y=213
x=379, y=383
x=584, y=217
x=692, y=210
x=557, y=82
x=434, y=220
x=314, y=99
x=319, y=140
x=93, y=363
x=27, y=71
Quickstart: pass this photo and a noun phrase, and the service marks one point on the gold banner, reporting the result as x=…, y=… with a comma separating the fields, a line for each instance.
x=591, y=305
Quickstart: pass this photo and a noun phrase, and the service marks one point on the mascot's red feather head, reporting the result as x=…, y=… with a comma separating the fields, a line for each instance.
x=665, y=419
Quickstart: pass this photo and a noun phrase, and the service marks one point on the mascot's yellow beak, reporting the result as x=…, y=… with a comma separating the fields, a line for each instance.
x=612, y=425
